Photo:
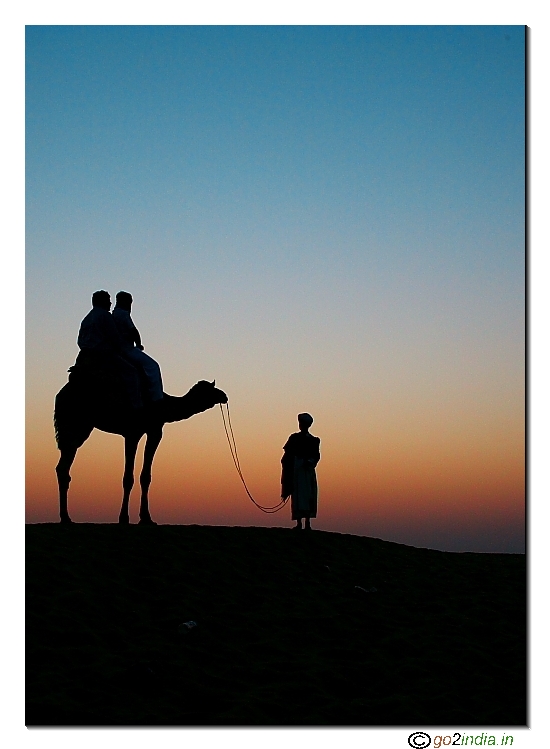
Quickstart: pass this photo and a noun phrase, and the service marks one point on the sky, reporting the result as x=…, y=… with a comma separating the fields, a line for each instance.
x=322, y=218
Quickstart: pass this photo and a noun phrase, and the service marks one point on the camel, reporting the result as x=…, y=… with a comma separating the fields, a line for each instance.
x=81, y=406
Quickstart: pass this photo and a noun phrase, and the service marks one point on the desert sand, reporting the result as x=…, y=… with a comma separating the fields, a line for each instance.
x=292, y=629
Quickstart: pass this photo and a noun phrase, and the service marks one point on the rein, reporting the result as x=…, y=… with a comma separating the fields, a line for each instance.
x=233, y=449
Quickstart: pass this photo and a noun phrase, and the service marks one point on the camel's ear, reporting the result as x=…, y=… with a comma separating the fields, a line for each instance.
x=213, y=383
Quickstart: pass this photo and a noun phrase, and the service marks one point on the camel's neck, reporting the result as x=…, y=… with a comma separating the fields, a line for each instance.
x=183, y=407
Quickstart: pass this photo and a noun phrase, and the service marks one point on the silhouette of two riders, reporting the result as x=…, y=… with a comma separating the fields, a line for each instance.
x=111, y=352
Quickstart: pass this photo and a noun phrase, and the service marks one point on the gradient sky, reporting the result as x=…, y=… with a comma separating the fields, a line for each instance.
x=327, y=219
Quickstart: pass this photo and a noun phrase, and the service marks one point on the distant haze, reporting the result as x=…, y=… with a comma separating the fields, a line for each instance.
x=323, y=219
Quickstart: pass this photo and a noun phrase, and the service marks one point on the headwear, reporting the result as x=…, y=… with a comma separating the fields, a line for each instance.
x=305, y=418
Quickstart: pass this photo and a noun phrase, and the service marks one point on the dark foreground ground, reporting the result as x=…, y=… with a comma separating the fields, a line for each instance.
x=283, y=636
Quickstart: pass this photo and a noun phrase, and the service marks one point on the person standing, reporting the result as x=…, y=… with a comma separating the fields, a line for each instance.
x=298, y=478
x=131, y=347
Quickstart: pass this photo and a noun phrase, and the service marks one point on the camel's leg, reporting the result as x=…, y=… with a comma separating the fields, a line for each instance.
x=130, y=449
x=153, y=440
x=64, y=479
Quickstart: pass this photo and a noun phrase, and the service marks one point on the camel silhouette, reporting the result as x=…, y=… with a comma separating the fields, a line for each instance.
x=81, y=407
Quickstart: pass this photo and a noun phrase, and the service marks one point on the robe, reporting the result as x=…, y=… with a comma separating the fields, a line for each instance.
x=298, y=475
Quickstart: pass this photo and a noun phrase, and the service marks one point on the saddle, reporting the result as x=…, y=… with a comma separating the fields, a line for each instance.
x=91, y=367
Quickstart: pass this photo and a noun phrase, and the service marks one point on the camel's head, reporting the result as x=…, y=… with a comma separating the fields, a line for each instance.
x=201, y=397
x=209, y=392
x=220, y=396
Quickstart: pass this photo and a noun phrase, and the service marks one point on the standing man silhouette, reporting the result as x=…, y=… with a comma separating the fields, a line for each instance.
x=298, y=478
x=131, y=348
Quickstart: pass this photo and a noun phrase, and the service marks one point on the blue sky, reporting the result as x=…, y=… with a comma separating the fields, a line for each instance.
x=285, y=128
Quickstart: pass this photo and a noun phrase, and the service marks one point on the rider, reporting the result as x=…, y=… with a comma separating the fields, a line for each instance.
x=131, y=348
x=100, y=345
x=98, y=336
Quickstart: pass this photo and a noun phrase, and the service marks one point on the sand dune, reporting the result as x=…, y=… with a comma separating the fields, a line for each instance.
x=289, y=629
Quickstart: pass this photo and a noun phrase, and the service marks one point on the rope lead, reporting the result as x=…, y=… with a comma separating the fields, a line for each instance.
x=233, y=450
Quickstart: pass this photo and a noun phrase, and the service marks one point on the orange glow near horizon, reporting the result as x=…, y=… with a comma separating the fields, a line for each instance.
x=396, y=489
